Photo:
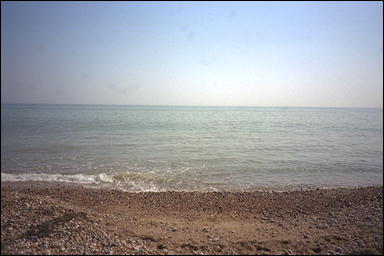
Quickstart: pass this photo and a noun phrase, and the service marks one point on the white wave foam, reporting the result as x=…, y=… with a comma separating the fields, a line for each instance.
x=93, y=181
x=76, y=178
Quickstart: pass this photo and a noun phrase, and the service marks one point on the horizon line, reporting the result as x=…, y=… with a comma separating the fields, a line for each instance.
x=149, y=105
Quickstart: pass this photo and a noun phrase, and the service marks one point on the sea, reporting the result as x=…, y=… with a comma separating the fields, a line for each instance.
x=189, y=148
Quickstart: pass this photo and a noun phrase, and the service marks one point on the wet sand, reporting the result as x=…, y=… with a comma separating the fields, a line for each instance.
x=53, y=218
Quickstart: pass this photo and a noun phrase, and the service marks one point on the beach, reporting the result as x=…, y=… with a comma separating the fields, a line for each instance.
x=58, y=218
x=191, y=128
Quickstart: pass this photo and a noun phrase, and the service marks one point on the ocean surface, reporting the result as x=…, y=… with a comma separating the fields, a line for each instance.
x=160, y=148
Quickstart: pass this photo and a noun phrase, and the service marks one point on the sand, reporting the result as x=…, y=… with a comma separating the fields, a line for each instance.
x=50, y=218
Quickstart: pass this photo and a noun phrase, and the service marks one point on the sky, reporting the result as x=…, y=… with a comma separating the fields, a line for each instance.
x=318, y=54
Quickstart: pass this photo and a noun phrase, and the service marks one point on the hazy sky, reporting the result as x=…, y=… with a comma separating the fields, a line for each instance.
x=191, y=53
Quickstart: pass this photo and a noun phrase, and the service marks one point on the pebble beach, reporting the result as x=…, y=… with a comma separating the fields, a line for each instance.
x=52, y=218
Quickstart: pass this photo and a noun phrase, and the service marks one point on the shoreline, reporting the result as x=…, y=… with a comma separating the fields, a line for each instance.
x=265, y=188
x=40, y=218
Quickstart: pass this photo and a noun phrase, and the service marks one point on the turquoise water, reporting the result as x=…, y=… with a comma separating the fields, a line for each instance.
x=156, y=148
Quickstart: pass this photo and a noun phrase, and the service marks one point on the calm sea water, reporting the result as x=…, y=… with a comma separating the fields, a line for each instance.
x=149, y=148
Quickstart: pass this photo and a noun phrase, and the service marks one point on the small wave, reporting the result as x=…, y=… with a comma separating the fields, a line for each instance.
x=157, y=182
x=119, y=181
x=76, y=178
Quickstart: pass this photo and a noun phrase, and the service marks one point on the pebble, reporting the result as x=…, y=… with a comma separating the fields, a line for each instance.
x=322, y=227
x=161, y=247
x=173, y=229
x=338, y=249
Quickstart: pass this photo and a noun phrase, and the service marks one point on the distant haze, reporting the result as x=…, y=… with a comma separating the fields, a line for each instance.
x=326, y=54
